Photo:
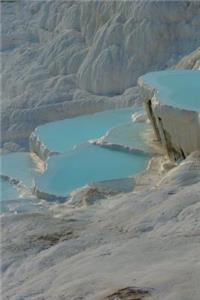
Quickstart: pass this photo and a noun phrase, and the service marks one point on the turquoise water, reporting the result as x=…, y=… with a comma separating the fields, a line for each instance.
x=63, y=135
x=180, y=88
x=87, y=164
x=7, y=191
x=19, y=165
x=82, y=163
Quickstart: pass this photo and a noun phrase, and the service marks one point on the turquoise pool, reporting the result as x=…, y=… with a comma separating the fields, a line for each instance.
x=63, y=135
x=87, y=164
x=81, y=163
x=20, y=166
x=179, y=88
x=7, y=191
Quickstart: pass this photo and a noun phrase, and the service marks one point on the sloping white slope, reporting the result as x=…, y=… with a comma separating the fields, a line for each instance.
x=149, y=238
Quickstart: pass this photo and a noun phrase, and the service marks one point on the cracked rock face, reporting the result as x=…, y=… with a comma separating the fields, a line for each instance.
x=175, y=119
x=55, y=53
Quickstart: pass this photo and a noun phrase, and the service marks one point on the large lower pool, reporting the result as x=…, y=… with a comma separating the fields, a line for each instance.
x=87, y=164
x=179, y=88
x=63, y=135
x=7, y=191
x=20, y=166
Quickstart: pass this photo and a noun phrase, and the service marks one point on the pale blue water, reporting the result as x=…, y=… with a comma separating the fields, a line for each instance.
x=7, y=191
x=19, y=165
x=81, y=163
x=87, y=164
x=63, y=135
x=180, y=88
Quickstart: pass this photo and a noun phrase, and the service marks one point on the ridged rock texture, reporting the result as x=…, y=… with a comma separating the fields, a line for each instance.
x=64, y=58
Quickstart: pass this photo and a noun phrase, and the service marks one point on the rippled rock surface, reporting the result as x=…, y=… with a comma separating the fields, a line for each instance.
x=64, y=58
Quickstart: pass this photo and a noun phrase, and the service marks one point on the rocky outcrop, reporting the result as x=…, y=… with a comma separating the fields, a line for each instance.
x=55, y=53
x=91, y=193
x=191, y=61
x=186, y=173
x=176, y=128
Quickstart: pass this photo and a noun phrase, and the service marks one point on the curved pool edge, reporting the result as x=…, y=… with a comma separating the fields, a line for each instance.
x=105, y=187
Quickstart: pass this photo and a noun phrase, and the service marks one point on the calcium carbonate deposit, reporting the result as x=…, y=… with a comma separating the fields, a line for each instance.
x=101, y=206
x=172, y=101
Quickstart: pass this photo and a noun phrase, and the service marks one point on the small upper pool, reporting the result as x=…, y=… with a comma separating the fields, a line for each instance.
x=62, y=136
x=179, y=88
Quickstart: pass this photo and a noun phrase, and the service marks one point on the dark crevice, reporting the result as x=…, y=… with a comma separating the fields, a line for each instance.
x=130, y=293
x=183, y=154
x=153, y=119
x=172, y=153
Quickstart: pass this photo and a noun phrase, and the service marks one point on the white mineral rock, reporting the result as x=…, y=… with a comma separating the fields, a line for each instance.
x=139, y=117
x=176, y=128
x=148, y=239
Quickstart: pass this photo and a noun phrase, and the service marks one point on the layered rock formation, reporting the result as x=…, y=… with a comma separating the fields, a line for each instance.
x=63, y=58
x=176, y=122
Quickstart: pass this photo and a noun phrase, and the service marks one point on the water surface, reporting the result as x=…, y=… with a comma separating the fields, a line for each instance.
x=62, y=136
x=7, y=191
x=20, y=166
x=88, y=164
x=179, y=88
x=81, y=163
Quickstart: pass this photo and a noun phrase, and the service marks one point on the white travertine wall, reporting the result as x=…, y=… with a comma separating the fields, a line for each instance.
x=177, y=129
